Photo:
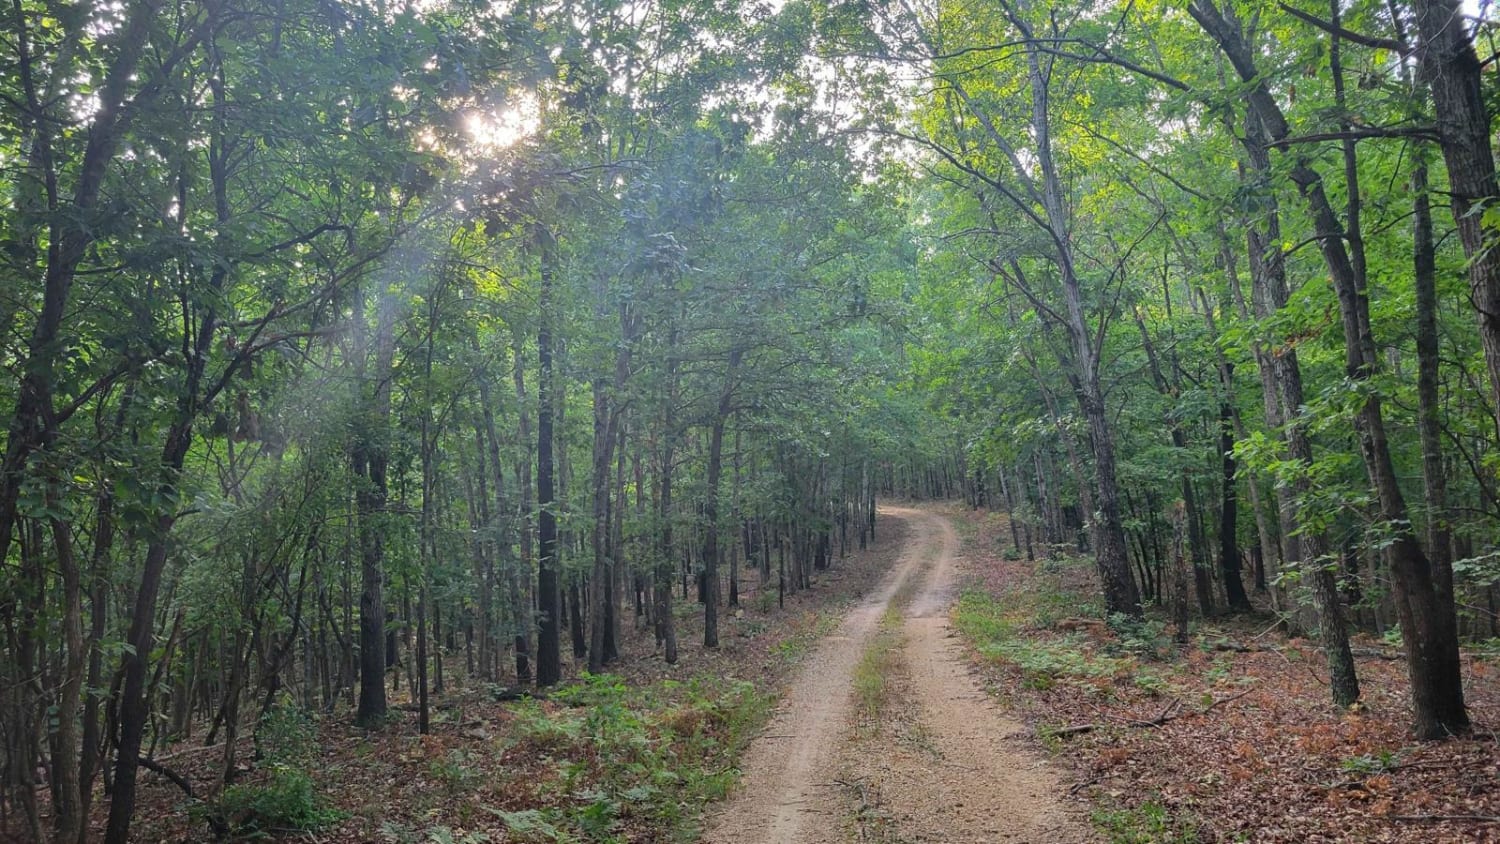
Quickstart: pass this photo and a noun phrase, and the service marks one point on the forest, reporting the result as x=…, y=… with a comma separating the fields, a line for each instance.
x=520, y=391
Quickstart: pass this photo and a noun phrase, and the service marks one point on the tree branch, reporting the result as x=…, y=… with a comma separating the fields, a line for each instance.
x=1374, y=41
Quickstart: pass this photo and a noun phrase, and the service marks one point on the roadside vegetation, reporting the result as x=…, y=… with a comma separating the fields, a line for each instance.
x=1227, y=737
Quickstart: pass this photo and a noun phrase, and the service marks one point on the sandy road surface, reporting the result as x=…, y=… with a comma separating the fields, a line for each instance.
x=939, y=769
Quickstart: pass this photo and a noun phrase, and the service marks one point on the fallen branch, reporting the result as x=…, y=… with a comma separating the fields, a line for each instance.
x=1064, y=732
x=1377, y=653
x=1224, y=700
x=1082, y=784
x=215, y=822
x=1440, y=818
x=1172, y=712
x=177, y=779
x=1238, y=647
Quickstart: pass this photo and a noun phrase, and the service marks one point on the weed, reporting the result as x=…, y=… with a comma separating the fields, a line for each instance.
x=400, y=833
x=1151, y=683
x=533, y=825
x=1144, y=637
x=1368, y=764
x=765, y=601
x=1219, y=672
x=1148, y=823
x=981, y=618
x=455, y=771
x=622, y=752
x=286, y=735
x=986, y=622
x=286, y=802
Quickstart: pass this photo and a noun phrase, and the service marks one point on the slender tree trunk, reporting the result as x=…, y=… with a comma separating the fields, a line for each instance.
x=711, y=504
x=1229, y=551
x=1120, y=593
x=369, y=462
x=666, y=629
x=549, y=599
x=1429, y=424
x=522, y=595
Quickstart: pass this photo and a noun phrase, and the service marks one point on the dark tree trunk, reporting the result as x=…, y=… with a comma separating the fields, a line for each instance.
x=369, y=460
x=1229, y=551
x=1429, y=423
x=549, y=598
x=711, y=505
x=525, y=618
x=1452, y=70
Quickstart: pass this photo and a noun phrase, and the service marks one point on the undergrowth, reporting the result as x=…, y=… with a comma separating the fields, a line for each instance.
x=997, y=633
x=632, y=756
x=284, y=799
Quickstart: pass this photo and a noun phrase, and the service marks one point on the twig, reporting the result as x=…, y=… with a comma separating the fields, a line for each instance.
x=1064, y=732
x=1224, y=700
x=1172, y=712
x=1169, y=713
x=1237, y=647
x=1438, y=818
x=1081, y=785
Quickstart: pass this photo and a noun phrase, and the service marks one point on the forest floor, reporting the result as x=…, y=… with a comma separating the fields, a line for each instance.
x=636, y=755
x=1229, y=738
x=886, y=737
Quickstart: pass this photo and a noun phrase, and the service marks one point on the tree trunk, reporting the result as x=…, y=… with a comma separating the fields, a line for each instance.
x=1428, y=623
x=1452, y=70
x=711, y=504
x=521, y=595
x=369, y=460
x=549, y=599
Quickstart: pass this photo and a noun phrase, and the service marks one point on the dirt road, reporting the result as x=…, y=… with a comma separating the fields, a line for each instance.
x=942, y=765
x=939, y=767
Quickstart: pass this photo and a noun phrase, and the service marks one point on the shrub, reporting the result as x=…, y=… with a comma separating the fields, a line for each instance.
x=286, y=735
x=286, y=802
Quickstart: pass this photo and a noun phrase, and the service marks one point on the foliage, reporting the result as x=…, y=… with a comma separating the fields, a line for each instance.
x=652, y=752
x=286, y=802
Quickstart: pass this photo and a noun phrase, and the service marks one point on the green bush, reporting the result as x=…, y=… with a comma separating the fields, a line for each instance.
x=286, y=802
x=1144, y=637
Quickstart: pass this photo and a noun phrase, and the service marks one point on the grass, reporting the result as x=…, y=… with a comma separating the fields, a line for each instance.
x=996, y=630
x=1148, y=823
x=880, y=661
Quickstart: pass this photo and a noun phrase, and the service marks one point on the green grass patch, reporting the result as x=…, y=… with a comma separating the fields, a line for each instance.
x=1148, y=823
x=996, y=631
x=880, y=661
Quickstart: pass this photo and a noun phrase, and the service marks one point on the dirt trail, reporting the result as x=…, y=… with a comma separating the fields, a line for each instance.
x=941, y=768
